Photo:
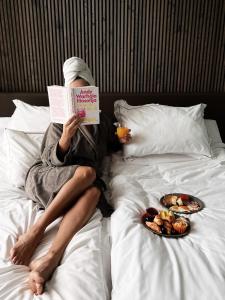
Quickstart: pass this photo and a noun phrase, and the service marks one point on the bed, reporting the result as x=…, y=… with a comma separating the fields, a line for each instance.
x=119, y=258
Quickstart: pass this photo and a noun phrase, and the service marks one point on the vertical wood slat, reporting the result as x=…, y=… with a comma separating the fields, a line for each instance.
x=8, y=54
x=130, y=46
x=221, y=58
x=211, y=57
x=219, y=43
x=3, y=49
x=40, y=45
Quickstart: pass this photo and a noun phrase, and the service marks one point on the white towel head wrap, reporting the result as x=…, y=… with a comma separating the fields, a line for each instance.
x=76, y=67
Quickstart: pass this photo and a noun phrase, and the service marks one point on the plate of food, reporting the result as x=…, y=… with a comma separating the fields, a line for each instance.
x=181, y=203
x=165, y=223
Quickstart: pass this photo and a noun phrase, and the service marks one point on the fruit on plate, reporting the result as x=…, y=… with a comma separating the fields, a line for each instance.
x=147, y=218
x=167, y=215
x=184, y=197
x=165, y=222
x=174, y=200
x=179, y=201
x=152, y=212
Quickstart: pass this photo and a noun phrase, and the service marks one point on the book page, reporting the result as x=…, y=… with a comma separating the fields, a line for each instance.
x=85, y=102
x=57, y=96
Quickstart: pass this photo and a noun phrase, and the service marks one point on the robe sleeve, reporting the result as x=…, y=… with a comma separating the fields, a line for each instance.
x=50, y=150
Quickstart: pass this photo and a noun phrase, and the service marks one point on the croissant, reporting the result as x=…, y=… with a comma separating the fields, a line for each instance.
x=154, y=226
x=170, y=200
x=168, y=226
x=158, y=220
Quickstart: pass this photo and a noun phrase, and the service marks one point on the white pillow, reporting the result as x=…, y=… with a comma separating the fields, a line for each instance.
x=213, y=131
x=160, y=129
x=29, y=118
x=22, y=150
x=4, y=121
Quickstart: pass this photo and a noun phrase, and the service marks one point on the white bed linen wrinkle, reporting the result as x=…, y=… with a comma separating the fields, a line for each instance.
x=145, y=266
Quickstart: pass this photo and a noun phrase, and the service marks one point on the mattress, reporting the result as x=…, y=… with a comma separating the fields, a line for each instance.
x=84, y=272
x=147, y=266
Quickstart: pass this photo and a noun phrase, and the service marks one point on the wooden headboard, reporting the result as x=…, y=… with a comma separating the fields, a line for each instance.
x=215, y=102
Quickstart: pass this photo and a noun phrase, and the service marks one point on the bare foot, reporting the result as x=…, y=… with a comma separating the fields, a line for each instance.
x=25, y=246
x=41, y=270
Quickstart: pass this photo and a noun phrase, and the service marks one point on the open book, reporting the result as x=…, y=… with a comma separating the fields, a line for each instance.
x=64, y=102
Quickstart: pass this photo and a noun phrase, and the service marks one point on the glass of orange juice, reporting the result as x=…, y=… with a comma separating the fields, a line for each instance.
x=122, y=132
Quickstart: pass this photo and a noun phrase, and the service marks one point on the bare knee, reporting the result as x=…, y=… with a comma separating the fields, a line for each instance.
x=88, y=174
x=93, y=192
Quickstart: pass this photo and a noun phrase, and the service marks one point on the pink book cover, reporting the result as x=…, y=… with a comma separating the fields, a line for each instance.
x=65, y=102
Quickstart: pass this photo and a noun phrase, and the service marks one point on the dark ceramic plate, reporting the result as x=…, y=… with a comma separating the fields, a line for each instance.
x=188, y=200
x=172, y=235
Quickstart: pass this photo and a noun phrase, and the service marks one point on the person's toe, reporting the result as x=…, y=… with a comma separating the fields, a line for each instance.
x=39, y=288
x=14, y=260
x=32, y=285
x=37, y=283
x=12, y=254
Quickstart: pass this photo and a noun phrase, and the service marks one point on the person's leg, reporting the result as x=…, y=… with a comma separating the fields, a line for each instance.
x=73, y=220
x=68, y=194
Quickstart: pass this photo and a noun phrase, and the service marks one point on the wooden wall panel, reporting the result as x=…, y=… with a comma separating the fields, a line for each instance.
x=166, y=46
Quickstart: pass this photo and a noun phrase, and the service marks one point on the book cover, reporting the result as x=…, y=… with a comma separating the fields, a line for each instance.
x=64, y=102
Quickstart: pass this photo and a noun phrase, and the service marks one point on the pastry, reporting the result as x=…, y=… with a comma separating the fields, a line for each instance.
x=180, y=225
x=167, y=215
x=153, y=226
x=170, y=200
x=168, y=226
x=177, y=208
x=193, y=206
x=158, y=220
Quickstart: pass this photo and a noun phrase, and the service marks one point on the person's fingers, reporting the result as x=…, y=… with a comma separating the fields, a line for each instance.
x=126, y=139
x=70, y=120
x=123, y=140
x=75, y=123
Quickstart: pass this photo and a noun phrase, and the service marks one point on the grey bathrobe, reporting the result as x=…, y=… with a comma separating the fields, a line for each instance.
x=50, y=172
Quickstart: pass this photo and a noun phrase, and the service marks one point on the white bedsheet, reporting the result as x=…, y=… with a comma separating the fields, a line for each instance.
x=84, y=272
x=146, y=266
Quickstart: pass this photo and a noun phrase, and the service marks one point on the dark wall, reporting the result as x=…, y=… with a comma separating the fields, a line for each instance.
x=169, y=46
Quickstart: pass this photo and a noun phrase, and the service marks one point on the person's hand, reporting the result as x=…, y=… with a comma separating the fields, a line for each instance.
x=69, y=129
x=126, y=138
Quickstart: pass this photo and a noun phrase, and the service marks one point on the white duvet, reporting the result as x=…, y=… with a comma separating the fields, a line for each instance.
x=84, y=272
x=146, y=266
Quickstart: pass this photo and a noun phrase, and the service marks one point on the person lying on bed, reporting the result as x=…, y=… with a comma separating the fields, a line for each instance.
x=66, y=182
